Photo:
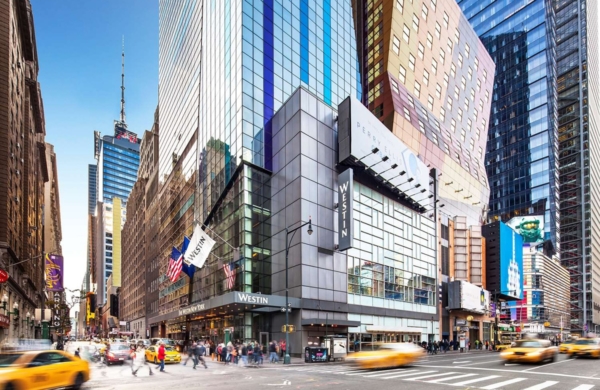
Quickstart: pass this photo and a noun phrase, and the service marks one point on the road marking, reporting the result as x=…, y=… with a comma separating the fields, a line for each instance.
x=502, y=384
x=403, y=375
x=510, y=364
x=584, y=387
x=285, y=383
x=461, y=362
x=453, y=377
x=430, y=376
x=579, y=377
x=542, y=385
x=485, y=378
x=350, y=372
x=550, y=364
x=388, y=372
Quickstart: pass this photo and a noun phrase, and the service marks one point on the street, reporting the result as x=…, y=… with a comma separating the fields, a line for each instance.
x=473, y=370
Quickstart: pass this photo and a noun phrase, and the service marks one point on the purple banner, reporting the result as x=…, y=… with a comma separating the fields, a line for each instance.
x=54, y=272
x=493, y=309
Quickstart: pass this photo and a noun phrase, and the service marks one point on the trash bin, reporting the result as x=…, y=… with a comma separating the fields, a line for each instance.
x=315, y=355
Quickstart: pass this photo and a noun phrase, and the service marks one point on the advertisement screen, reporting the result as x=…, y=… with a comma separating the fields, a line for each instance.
x=511, y=262
x=530, y=227
x=474, y=298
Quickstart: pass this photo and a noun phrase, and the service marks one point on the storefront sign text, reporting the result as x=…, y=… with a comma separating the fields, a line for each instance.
x=247, y=298
x=345, y=207
x=192, y=309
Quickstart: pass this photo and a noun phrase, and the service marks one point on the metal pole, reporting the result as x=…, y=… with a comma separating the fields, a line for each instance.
x=432, y=334
x=286, y=359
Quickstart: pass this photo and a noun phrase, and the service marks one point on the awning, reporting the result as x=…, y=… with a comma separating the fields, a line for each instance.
x=394, y=329
x=330, y=323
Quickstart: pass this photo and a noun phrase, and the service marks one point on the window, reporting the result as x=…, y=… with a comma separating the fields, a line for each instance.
x=425, y=77
x=449, y=44
x=433, y=5
x=484, y=75
x=466, y=104
x=402, y=75
x=406, y=34
x=438, y=30
x=487, y=96
x=400, y=5
x=478, y=85
x=394, y=86
x=456, y=36
x=434, y=66
x=463, y=134
x=453, y=70
x=467, y=50
x=453, y=125
x=429, y=40
x=463, y=82
x=446, y=79
x=460, y=60
x=480, y=152
x=476, y=63
x=471, y=144
x=435, y=138
x=417, y=89
x=438, y=91
x=421, y=50
x=416, y=23
x=424, y=12
x=475, y=113
x=477, y=133
x=470, y=124
x=430, y=102
x=411, y=62
x=421, y=126
x=407, y=114
x=449, y=103
x=396, y=45
x=480, y=104
x=442, y=114
x=456, y=92
x=470, y=73
x=460, y=114
x=442, y=56
x=411, y=102
x=483, y=121
x=446, y=20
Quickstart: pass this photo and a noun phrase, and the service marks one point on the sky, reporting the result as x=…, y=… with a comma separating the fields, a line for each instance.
x=79, y=51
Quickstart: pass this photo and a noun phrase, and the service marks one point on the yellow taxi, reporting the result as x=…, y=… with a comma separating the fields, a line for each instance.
x=585, y=347
x=32, y=370
x=564, y=347
x=387, y=355
x=171, y=355
x=530, y=351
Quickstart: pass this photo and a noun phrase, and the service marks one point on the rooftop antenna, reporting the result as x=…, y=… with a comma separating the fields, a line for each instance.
x=123, y=82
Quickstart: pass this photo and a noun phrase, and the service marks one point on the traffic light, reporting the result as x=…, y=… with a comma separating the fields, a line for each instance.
x=114, y=305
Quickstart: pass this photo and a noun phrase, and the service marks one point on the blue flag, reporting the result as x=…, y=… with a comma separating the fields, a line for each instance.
x=188, y=269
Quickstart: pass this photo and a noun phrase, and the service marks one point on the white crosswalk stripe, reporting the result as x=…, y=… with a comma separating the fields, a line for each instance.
x=430, y=376
x=450, y=378
x=464, y=383
x=404, y=375
x=502, y=384
x=389, y=372
x=584, y=387
x=542, y=385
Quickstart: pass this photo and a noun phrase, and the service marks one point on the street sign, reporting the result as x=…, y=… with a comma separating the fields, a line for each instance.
x=3, y=276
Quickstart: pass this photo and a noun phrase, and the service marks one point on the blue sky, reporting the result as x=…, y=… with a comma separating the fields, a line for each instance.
x=79, y=50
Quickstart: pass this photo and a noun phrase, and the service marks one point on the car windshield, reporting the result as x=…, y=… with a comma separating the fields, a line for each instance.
x=7, y=359
x=170, y=349
x=586, y=342
x=528, y=344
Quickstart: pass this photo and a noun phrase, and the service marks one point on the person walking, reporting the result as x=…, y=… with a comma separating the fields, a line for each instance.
x=258, y=354
x=282, y=347
x=244, y=354
x=161, y=357
x=190, y=354
x=139, y=360
x=199, y=352
x=273, y=353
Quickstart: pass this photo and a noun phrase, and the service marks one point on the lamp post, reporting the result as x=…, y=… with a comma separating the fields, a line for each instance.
x=287, y=359
x=28, y=322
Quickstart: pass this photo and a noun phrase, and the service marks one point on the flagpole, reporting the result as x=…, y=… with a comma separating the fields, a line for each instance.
x=215, y=233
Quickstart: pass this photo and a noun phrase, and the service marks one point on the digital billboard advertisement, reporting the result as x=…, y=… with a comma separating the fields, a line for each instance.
x=530, y=227
x=511, y=262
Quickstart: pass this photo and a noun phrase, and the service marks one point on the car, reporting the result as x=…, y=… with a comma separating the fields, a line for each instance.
x=171, y=355
x=118, y=353
x=564, y=347
x=32, y=370
x=585, y=347
x=387, y=355
x=530, y=351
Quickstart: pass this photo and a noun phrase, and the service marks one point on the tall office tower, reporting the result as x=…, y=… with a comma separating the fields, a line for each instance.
x=225, y=67
x=428, y=78
x=577, y=76
x=522, y=144
x=117, y=161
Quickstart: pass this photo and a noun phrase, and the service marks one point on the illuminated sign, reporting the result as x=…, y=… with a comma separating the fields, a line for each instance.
x=511, y=262
x=345, y=207
x=530, y=227
x=126, y=135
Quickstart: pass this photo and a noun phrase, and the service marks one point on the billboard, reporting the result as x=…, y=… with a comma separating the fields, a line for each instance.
x=511, y=262
x=466, y=296
x=530, y=227
x=360, y=133
x=345, y=207
x=54, y=272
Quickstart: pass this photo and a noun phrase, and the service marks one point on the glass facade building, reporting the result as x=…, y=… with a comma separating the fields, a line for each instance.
x=92, y=189
x=522, y=144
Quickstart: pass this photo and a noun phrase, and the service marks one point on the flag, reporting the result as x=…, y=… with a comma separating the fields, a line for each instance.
x=186, y=266
x=200, y=246
x=175, y=265
x=229, y=274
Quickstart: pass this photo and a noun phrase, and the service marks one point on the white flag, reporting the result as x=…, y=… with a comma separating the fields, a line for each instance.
x=199, y=248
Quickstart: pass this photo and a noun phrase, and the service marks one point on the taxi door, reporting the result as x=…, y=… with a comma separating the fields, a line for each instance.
x=49, y=370
x=37, y=373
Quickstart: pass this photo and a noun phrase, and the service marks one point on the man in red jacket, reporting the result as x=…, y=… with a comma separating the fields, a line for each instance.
x=161, y=357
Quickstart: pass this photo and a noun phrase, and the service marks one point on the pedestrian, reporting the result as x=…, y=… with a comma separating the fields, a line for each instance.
x=244, y=354
x=228, y=351
x=283, y=348
x=273, y=353
x=223, y=354
x=199, y=352
x=77, y=353
x=161, y=357
x=190, y=355
x=139, y=360
x=477, y=344
x=258, y=354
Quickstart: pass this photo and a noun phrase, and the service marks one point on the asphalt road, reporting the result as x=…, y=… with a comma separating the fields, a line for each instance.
x=474, y=370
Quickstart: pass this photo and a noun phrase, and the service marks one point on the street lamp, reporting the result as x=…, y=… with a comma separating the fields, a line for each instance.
x=287, y=359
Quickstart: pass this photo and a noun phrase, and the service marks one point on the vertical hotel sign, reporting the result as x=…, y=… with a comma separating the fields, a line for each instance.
x=345, y=207
x=54, y=272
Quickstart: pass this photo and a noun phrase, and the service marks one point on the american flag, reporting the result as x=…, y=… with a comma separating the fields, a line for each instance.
x=229, y=274
x=175, y=265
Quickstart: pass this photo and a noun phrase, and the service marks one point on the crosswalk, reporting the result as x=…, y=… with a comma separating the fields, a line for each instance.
x=447, y=378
